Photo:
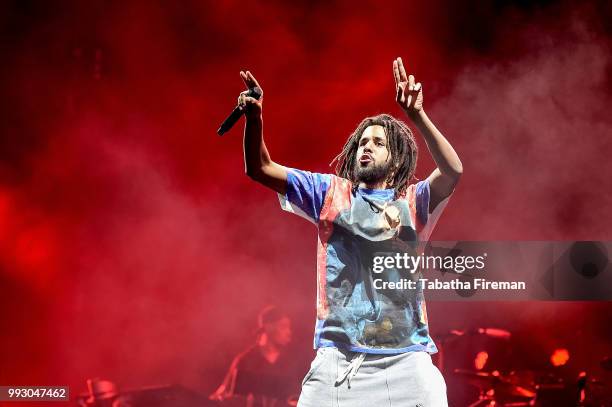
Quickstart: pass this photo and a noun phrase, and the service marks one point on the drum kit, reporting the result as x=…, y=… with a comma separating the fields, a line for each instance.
x=495, y=387
x=525, y=387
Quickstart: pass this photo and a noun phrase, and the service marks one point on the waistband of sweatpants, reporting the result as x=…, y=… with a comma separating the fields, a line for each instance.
x=349, y=354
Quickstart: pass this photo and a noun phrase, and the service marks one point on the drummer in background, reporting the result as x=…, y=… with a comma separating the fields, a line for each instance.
x=265, y=373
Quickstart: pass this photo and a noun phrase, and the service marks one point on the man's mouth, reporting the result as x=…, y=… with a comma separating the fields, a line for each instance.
x=366, y=158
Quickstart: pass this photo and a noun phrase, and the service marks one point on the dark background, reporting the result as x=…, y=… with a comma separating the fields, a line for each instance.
x=134, y=248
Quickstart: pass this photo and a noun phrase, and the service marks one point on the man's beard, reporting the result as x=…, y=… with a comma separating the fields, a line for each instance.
x=372, y=174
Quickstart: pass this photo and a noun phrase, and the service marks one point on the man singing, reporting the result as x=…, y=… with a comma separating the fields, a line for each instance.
x=373, y=345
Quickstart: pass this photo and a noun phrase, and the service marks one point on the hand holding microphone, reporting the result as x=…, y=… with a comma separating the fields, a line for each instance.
x=249, y=103
x=253, y=98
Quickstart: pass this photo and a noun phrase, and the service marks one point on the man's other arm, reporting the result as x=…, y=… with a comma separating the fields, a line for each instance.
x=445, y=177
x=257, y=162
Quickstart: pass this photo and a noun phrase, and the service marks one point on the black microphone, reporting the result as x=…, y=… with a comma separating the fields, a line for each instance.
x=238, y=111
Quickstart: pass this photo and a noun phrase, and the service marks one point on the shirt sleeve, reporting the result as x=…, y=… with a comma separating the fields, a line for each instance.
x=426, y=219
x=422, y=201
x=305, y=193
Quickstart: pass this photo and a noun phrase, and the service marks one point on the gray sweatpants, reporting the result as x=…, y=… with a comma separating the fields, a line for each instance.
x=340, y=378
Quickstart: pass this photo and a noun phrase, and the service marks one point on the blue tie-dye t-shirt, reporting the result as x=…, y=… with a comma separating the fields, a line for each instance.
x=353, y=228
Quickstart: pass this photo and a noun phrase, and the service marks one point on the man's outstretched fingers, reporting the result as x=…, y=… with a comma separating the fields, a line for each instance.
x=402, y=71
x=396, y=74
x=244, y=78
x=252, y=80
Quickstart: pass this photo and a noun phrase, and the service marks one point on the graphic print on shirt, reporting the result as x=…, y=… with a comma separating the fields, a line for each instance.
x=354, y=228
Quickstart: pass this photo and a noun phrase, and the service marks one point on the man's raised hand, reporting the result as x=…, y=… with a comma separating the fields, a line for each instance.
x=253, y=106
x=408, y=94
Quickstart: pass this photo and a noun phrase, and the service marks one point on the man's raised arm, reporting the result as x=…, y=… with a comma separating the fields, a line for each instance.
x=443, y=179
x=257, y=162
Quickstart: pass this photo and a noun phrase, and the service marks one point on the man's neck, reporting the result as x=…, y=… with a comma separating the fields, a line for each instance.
x=374, y=185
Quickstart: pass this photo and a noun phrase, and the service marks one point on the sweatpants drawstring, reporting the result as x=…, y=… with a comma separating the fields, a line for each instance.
x=351, y=370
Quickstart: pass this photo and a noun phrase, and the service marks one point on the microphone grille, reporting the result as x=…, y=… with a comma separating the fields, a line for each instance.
x=255, y=92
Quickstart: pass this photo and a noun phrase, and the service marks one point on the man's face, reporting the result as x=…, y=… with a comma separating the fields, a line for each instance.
x=280, y=331
x=373, y=157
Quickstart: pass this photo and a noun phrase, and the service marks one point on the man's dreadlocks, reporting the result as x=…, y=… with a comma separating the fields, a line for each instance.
x=402, y=147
